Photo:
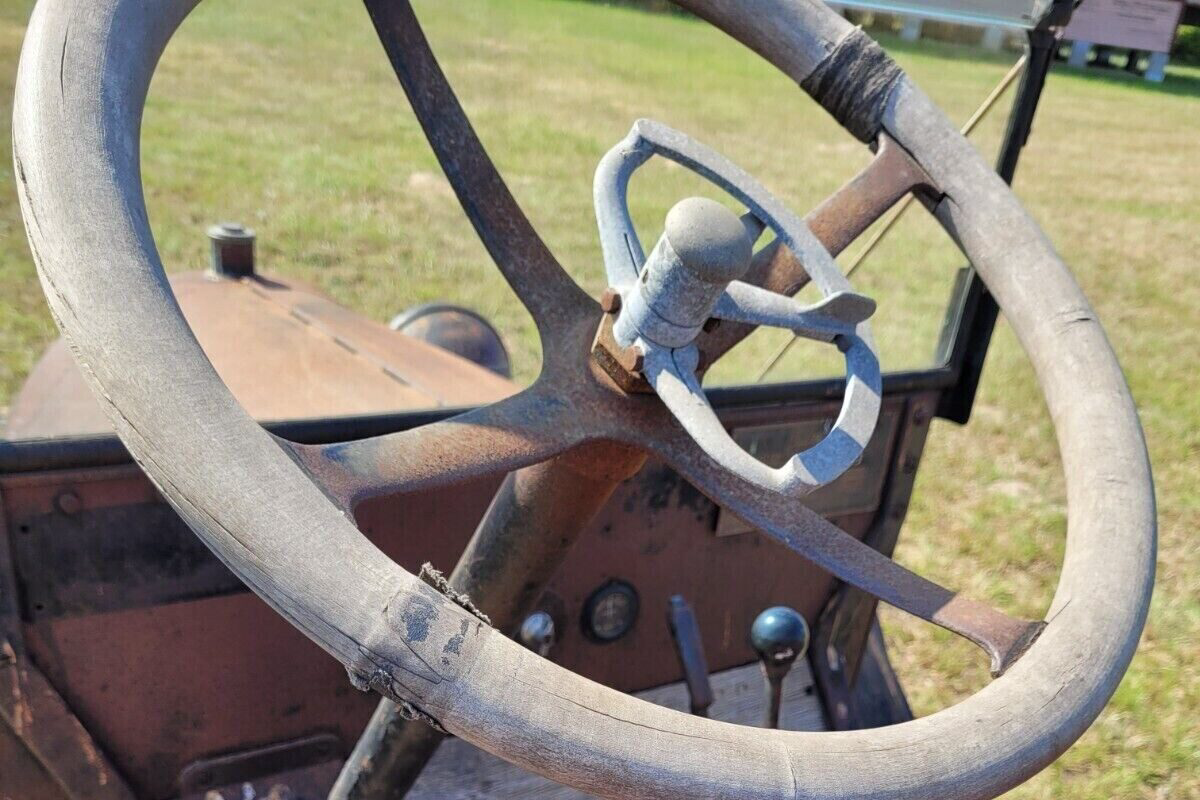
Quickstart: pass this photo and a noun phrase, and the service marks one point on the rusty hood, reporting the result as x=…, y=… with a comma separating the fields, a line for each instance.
x=285, y=351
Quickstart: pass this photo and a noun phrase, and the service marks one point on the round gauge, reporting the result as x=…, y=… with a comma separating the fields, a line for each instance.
x=610, y=612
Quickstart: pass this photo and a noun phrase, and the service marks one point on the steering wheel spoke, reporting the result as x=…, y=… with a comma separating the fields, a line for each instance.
x=526, y=428
x=1004, y=638
x=856, y=205
x=540, y=282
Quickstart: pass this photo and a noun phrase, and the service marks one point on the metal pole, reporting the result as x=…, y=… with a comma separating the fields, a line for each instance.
x=980, y=310
x=531, y=525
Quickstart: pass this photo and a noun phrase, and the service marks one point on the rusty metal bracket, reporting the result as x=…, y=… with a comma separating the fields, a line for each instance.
x=623, y=364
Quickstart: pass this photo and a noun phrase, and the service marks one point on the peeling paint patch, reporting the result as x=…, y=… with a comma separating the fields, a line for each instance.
x=456, y=642
x=417, y=615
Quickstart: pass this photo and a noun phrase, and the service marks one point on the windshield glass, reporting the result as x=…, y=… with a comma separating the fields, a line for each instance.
x=315, y=149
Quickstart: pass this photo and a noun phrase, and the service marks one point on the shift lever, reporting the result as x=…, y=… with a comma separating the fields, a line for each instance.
x=779, y=635
x=690, y=649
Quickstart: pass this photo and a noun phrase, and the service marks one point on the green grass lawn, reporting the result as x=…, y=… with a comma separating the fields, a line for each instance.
x=286, y=116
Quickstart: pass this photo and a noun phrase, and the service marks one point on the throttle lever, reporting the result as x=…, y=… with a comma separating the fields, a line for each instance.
x=690, y=649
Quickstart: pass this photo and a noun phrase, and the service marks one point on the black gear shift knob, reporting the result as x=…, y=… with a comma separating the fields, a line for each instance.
x=779, y=635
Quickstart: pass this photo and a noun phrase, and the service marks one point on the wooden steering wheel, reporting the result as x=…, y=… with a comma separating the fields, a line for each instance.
x=276, y=513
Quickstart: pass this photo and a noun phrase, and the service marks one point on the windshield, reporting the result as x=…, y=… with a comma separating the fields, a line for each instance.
x=317, y=151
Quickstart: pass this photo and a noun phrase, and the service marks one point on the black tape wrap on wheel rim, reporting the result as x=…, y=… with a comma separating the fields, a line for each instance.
x=854, y=84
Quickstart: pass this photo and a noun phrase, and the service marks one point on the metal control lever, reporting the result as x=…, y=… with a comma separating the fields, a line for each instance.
x=690, y=280
x=779, y=635
x=537, y=633
x=691, y=653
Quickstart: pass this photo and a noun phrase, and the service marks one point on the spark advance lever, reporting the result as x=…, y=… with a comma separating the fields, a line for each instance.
x=692, y=276
x=690, y=649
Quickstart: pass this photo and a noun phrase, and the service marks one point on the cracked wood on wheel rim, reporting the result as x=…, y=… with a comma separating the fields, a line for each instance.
x=84, y=72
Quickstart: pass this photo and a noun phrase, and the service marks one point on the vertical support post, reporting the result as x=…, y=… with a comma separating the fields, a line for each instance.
x=1079, y=53
x=911, y=31
x=979, y=310
x=1156, y=71
x=1042, y=44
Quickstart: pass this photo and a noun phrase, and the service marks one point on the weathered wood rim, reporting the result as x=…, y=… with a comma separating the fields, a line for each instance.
x=84, y=72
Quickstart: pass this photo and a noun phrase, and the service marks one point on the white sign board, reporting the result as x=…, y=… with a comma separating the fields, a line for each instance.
x=1137, y=24
x=1007, y=13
